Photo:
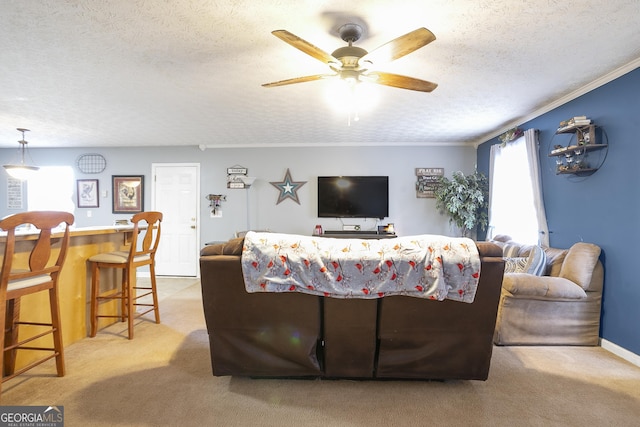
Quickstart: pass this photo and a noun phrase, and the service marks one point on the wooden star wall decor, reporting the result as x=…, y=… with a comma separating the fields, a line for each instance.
x=288, y=188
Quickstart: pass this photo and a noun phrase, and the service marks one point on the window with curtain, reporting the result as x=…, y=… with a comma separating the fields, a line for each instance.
x=515, y=201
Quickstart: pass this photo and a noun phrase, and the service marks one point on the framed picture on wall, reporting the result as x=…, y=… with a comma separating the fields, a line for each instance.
x=88, y=194
x=128, y=193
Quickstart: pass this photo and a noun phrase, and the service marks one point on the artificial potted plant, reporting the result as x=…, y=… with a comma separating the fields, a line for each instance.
x=465, y=199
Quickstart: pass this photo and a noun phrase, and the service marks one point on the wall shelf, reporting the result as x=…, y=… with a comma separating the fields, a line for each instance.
x=573, y=158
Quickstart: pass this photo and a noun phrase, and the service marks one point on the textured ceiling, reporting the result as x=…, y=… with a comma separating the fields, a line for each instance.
x=189, y=72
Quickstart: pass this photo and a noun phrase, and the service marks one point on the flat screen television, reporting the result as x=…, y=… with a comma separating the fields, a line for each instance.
x=353, y=197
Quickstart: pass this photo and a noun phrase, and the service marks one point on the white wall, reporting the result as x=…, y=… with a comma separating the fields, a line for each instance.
x=410, y=214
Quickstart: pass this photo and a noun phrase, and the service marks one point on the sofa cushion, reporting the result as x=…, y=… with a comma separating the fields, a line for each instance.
x=536, y=261
x=511, y=250
x=533, y=263
x=233, y=246
x=515, y=264
x=527, y=285
x=555, y=258
x=579, y=263
x=501, y=238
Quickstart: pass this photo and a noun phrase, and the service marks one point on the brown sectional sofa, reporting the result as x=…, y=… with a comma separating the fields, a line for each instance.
x=301, y=335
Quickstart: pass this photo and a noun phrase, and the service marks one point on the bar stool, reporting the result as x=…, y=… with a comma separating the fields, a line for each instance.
x=142, y=252
x=40, y=272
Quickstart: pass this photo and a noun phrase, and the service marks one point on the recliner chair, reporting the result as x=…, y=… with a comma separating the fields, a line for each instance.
x=560, y=307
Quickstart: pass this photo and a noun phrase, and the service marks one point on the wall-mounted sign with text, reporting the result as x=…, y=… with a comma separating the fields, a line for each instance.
x=427, y=180
x=235, y=175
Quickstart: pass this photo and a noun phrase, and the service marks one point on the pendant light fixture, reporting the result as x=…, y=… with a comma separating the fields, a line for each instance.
x=22, y=170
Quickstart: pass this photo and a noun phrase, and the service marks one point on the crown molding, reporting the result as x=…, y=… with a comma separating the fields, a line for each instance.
x=619, y=72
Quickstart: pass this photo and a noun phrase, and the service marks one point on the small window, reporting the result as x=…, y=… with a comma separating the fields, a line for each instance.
x=51, y=189
x=512, y=200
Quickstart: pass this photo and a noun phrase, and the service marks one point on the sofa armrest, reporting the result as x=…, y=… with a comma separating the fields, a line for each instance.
x=524, y=285
x=579, y=264
x=215, y=249
x=488, y=249
x=232, y=247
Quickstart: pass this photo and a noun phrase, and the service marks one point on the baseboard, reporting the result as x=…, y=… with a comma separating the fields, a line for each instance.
x=147, y=275
x=621, y=352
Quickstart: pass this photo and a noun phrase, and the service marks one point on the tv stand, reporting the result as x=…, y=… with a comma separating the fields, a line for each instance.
x=358, y=234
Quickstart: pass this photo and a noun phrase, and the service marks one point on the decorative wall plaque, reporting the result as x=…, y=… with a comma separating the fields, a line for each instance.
x=91, y=163
x=427, y=179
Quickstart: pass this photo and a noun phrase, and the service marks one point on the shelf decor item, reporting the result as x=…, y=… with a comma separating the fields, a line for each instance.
x=511, y=135
x=573, y=123
x=465, y=199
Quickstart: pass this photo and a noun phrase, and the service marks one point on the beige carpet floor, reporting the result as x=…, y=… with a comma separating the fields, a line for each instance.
x=163, y=378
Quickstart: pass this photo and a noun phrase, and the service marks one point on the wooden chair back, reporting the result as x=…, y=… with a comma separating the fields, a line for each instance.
x=39, y=272
x=150, y=223
x=41, y=262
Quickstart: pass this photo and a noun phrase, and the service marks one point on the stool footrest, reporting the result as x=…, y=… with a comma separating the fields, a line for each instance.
x=32, y=365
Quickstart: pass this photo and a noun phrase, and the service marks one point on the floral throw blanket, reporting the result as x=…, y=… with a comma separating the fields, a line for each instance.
x=424, y=266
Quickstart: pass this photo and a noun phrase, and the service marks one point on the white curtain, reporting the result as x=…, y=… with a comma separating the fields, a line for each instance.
x=533, y=157
x=516, y=207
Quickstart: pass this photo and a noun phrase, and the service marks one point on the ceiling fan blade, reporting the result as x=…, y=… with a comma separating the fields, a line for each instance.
x=298, y=80
x=305, y=46
x=399, y=47
x=402, y=82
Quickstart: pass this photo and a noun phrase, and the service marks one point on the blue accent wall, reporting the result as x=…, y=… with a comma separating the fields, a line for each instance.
x=603, y=208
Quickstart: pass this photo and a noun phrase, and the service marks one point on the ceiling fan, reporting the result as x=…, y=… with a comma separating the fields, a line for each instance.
x=355, y=64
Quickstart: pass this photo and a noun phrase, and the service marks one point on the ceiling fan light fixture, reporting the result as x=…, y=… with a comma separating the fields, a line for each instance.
x=368, y=78
x=351, y=96
x=350, y=76
x=349, y=55
x=21, y=170
x=350, y=62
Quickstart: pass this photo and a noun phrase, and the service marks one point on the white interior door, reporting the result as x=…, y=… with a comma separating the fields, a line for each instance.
x=175, y=193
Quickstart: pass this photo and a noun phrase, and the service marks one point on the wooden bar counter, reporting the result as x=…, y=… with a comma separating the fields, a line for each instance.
x=75, y=278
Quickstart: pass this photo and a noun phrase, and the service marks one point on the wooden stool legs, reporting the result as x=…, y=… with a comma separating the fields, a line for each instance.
x=127, y=294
